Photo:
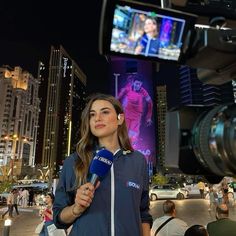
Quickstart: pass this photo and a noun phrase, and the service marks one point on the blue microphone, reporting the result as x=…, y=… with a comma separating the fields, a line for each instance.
x=100, y=165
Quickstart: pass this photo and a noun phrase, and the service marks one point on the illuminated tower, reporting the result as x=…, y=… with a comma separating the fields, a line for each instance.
x=161, y=118
x=66, y=95
x=19, y=112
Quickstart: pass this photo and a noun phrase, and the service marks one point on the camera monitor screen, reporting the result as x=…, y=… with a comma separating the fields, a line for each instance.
x=148, y=32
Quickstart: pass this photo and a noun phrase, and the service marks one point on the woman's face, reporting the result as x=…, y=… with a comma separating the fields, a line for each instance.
x=48, y=199
x=103, y=119
x=149, y=26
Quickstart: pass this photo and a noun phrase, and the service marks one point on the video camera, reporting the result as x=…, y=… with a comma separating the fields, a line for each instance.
x=199, y=140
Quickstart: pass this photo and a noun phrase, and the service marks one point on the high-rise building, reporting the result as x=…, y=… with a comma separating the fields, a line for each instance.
x=161, y=124
x=43, y=75
x=19, y=113
x=66, y=94
x=193, y=91
x=190, y=86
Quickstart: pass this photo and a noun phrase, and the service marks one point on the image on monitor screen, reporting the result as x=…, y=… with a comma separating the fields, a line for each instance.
x=146, y=33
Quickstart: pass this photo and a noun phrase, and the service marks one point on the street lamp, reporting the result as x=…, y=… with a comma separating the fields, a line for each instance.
x=6, y=228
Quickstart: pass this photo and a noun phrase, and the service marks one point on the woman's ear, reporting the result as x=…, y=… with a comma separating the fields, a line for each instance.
x=120, y=118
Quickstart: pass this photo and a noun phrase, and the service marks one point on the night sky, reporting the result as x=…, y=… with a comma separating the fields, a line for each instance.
x=28, y=30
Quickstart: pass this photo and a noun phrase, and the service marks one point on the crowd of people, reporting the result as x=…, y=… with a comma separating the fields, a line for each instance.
x=216, y=194
x=20, y=197
x=17, y=198
x=170, y=225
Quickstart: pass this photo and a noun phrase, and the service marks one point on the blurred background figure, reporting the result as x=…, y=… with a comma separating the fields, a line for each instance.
x=201, y=187
x=31, y=197
x=19, y=197
x=220, y=196
x=25, y=197
x=173, y=227
x=213, y=199
x=15, y=201
x=223, y=225
x=46, y=213
x=196, y=230
x=225, y=189
x=10, y=199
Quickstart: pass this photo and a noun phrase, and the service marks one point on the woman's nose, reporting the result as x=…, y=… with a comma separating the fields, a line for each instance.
x=97, y=116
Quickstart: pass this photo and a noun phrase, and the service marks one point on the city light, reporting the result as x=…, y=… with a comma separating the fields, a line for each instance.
x=8, y=222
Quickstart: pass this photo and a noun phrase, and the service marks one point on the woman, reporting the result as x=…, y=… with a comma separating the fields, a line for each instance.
x=149, y=42
x=47, y=214
x=119, y=204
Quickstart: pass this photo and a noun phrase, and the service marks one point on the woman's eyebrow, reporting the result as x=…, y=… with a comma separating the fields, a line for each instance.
x=104, y=108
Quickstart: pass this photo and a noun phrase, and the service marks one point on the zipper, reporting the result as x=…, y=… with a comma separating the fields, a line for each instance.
x=113, y=197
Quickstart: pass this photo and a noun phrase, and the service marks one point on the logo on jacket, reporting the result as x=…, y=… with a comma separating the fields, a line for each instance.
x=133, y=185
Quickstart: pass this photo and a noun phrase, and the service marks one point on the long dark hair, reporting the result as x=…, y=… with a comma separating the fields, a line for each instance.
x=87, y=142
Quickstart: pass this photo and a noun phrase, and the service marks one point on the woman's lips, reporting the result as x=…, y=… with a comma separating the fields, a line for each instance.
x=99, y=126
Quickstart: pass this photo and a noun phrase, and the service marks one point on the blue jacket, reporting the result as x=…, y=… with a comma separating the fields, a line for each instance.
x=120, y=204
x=150, y=45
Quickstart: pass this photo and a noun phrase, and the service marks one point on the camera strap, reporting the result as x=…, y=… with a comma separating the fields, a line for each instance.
x=163, y=224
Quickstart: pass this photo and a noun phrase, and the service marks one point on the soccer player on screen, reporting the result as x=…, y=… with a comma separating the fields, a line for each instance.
x=133, y=98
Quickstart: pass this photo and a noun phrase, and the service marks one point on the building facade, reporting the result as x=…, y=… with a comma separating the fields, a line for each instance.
x=19, y=113
x=66, y=94
x=193, y=91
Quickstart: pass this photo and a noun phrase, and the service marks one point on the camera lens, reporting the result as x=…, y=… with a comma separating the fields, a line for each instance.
x=214, y=140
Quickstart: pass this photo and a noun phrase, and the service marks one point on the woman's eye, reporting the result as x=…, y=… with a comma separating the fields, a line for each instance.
x=105, y=112
x=91, y=115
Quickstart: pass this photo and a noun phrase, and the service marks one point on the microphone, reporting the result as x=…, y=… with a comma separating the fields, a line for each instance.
x=100, y=165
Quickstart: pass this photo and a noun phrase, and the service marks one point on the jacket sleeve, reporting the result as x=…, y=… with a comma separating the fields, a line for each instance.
x=64, y=195
x=144, y=206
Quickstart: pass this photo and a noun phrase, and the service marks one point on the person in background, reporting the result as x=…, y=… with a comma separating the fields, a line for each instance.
x=10, y=199
x=220, y=196
x=119, y=203
x=15, y=201
x=31, y=197
x=225, y=189
x=201, y=187
x=223, y=225
x=212, y=198
x=25, y=197
x=149, y=42
x=19, y=198
x=173, y=227
x=47, y=214
x=196, y=230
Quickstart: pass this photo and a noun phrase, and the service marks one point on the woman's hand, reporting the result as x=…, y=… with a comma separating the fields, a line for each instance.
x=84, y=197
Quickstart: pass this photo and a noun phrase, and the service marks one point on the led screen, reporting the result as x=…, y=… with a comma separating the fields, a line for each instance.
x=146, y=33
x=132, y=85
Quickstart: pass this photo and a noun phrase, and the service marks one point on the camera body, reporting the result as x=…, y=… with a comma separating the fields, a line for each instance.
x=200, y=140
